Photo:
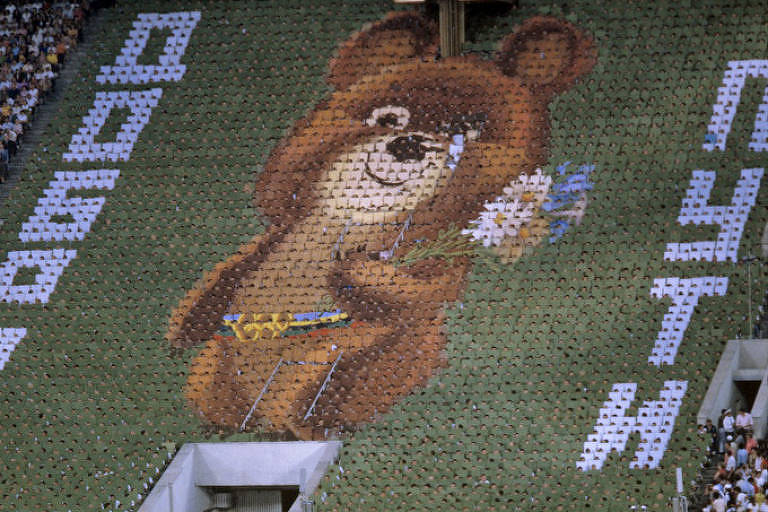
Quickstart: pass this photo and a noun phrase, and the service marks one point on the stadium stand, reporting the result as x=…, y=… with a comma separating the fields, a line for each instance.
x=34, y=41
x=175, y=268
x=735, y=468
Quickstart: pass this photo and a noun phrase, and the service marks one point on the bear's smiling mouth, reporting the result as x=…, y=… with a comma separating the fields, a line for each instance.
x=381, y=181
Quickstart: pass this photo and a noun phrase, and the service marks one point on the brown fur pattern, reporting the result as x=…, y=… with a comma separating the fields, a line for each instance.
x=333, y=195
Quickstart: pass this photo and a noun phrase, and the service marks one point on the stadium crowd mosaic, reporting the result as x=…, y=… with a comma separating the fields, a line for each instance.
x=446, y=262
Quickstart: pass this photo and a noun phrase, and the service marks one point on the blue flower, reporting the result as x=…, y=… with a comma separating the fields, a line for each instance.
x=565, y=193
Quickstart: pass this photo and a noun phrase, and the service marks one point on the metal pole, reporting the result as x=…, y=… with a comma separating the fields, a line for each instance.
x=680, y=504
x=322, y=388
x=263, y=390
x=449, y=28
x=749, y=292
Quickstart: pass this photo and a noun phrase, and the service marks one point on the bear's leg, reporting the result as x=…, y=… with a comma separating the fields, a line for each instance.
x=370, y=381
x=228, y=375
x=212, y=386
x=307, y=360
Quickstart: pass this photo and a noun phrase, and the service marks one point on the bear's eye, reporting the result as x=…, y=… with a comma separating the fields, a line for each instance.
x=391, y=115
x=387, y=120
x=464, y=123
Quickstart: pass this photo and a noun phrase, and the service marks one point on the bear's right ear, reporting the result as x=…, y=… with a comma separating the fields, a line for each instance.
x=397, y=38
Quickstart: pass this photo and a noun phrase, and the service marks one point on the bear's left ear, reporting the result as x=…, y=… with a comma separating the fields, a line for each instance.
x=547, y=54
x=397, y=38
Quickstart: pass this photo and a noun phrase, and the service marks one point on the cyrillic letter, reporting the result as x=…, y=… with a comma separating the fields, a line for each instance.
x=83, y=147
x=9, y=338
x=730, y=218
x=169, y=68
x=52, y=264
x=55, y=202
x=728, y=97
x=654, y=422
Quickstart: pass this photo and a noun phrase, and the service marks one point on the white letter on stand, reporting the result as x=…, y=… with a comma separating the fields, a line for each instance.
x=55, y=202
x=685, y=295
x=731, y=219
x=84, y=148
x=51, y=263
x=9, y=338
x=654, y=422
x=728, y=98
x=169, y=67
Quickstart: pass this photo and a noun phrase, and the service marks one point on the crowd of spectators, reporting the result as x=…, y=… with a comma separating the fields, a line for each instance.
x=35, y=38
x=739, y=485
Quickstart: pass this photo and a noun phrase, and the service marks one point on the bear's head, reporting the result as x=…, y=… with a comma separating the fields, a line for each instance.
x=408, y=134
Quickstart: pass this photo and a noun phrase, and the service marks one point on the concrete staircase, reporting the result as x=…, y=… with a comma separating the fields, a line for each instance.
x=46, y=109
x=700, y=498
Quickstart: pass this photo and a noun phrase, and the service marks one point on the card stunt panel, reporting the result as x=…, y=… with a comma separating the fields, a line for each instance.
x=328, y=319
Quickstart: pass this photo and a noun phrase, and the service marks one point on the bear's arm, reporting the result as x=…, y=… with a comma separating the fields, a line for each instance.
x=377, y=291
x=371, y=288
x=199, y=313
x=483, y=172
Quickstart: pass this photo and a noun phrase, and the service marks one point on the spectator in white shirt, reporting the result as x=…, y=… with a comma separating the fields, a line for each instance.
x=762, y=478
x=743, y=423
x=718, y=503
x=728, y=422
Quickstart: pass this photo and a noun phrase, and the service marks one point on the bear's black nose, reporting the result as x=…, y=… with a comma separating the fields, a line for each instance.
x=407, y=147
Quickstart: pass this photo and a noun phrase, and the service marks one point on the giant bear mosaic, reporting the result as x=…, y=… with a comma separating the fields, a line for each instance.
x=375, y=204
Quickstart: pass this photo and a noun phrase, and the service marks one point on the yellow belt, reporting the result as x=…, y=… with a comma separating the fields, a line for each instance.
x=256, y=326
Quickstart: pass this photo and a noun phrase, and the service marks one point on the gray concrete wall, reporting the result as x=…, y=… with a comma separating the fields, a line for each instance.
x=745, y=360
x=753, y=355
x=198, y=466
x=721, y=388
x=176, y=490
x=760, y=409
x=259, y=464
